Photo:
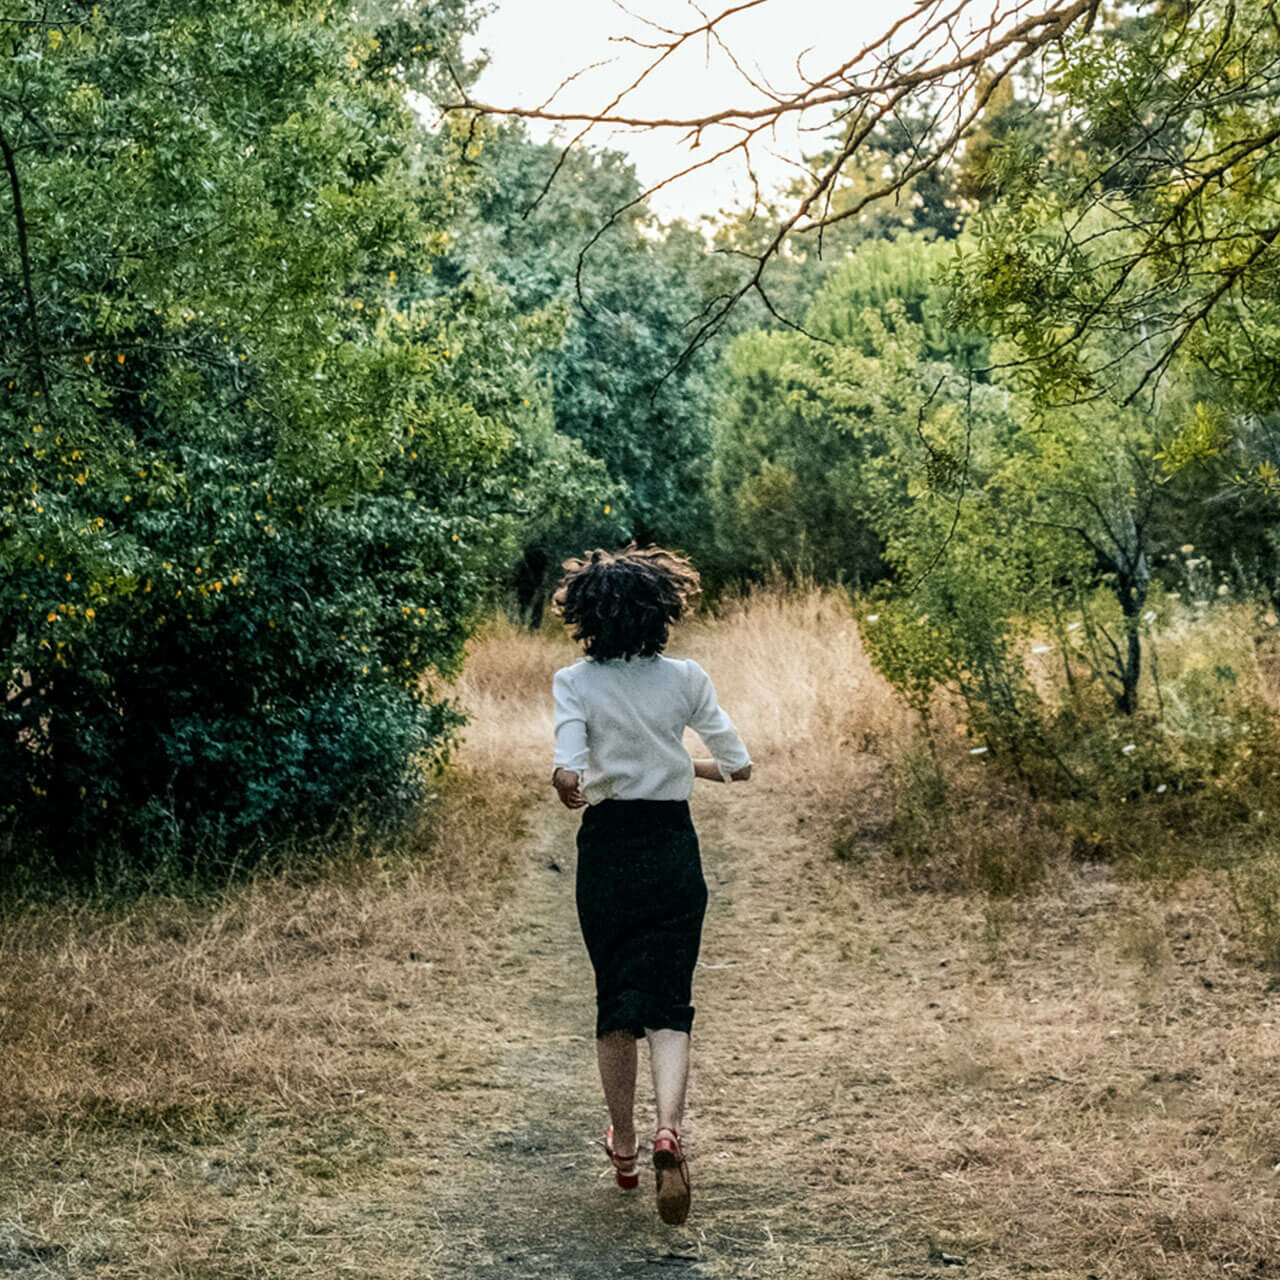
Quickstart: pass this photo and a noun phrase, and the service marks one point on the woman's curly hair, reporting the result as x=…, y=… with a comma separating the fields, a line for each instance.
x=621, y=604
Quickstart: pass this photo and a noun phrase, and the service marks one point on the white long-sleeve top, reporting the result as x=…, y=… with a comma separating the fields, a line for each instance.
x=620, y=726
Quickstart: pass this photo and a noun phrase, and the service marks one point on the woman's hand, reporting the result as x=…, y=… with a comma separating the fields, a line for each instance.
x=565, y=782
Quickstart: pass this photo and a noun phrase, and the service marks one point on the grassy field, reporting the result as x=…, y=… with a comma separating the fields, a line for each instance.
x=381, y=1066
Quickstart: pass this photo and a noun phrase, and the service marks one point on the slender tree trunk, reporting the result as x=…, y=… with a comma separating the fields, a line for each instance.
x=1133, y=581
x=1132, y=670
x=24, y=260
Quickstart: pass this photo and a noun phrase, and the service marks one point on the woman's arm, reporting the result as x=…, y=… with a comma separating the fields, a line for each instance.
x=708, y=720
x=711, y=771
x=572, y=751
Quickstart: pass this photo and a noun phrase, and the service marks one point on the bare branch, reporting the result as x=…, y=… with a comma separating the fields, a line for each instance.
x=955, y=53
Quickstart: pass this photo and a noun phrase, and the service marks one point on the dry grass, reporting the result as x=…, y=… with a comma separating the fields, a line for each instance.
x=506, y=688
x=790, y=668
x=1061, y=1086
x=187, y=1013
x=1067, y=1083
x=788, y=665
x=185, y=1085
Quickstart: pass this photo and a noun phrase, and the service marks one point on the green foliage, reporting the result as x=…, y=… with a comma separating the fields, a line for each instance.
x=1145, y=235
x=1203, y=439
x=613, y=293
x=1049, y=527
x=811, y=437
x=254, y=482
x=787, y=474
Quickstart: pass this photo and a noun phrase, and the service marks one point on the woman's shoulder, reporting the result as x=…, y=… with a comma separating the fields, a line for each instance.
x=689, y=664
x=686, y=669
x=567, y=673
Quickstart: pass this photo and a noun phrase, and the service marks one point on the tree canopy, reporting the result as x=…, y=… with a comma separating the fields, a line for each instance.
x=254, y=481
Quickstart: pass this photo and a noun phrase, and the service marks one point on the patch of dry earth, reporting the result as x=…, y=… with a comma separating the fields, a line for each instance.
x=886, y=1085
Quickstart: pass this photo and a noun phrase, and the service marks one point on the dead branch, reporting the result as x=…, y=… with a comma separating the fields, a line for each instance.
x=953, y=53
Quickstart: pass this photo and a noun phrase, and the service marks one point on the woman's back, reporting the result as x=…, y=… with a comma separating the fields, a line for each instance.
x=620, y=725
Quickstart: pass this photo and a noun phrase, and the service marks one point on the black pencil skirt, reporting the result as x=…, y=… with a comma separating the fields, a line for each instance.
x=641, y=900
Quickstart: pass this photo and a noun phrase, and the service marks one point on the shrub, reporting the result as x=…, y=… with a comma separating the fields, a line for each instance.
x=956, y=827
x=254, y=473
x=1189, y=779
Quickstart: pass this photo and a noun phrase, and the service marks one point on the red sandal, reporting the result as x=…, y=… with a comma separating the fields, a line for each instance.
x=673, y=1178
x=624, y=1166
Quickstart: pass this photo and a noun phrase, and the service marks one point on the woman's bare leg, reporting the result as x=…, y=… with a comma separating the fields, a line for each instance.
x=616, y=1055
x=669, y=1059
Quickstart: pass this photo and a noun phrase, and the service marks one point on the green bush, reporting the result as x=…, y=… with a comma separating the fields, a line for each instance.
x=256, y=474
x=220, y=687
x=1188, y=780
x=957, y=827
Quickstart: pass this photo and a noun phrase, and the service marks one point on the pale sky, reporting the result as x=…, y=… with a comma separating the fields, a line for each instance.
x=536, y=44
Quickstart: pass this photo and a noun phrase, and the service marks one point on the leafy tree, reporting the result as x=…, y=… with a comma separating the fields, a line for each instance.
x=1147, y=235
x=1127, y=260
x=251, y=485
x=614, y=308
x=1018, y=127
x=808, y=430
x=883, y=448
x=788, y=469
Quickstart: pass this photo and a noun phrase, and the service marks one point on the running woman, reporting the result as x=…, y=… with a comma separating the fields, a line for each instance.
x=620, y=716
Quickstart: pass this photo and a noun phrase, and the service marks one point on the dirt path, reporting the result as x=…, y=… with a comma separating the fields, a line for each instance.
x=533, y=1195
x=886, y=1085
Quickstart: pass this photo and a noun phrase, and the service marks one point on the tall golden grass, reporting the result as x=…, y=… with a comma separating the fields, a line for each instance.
x=183, y=1012
x=788, y=665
